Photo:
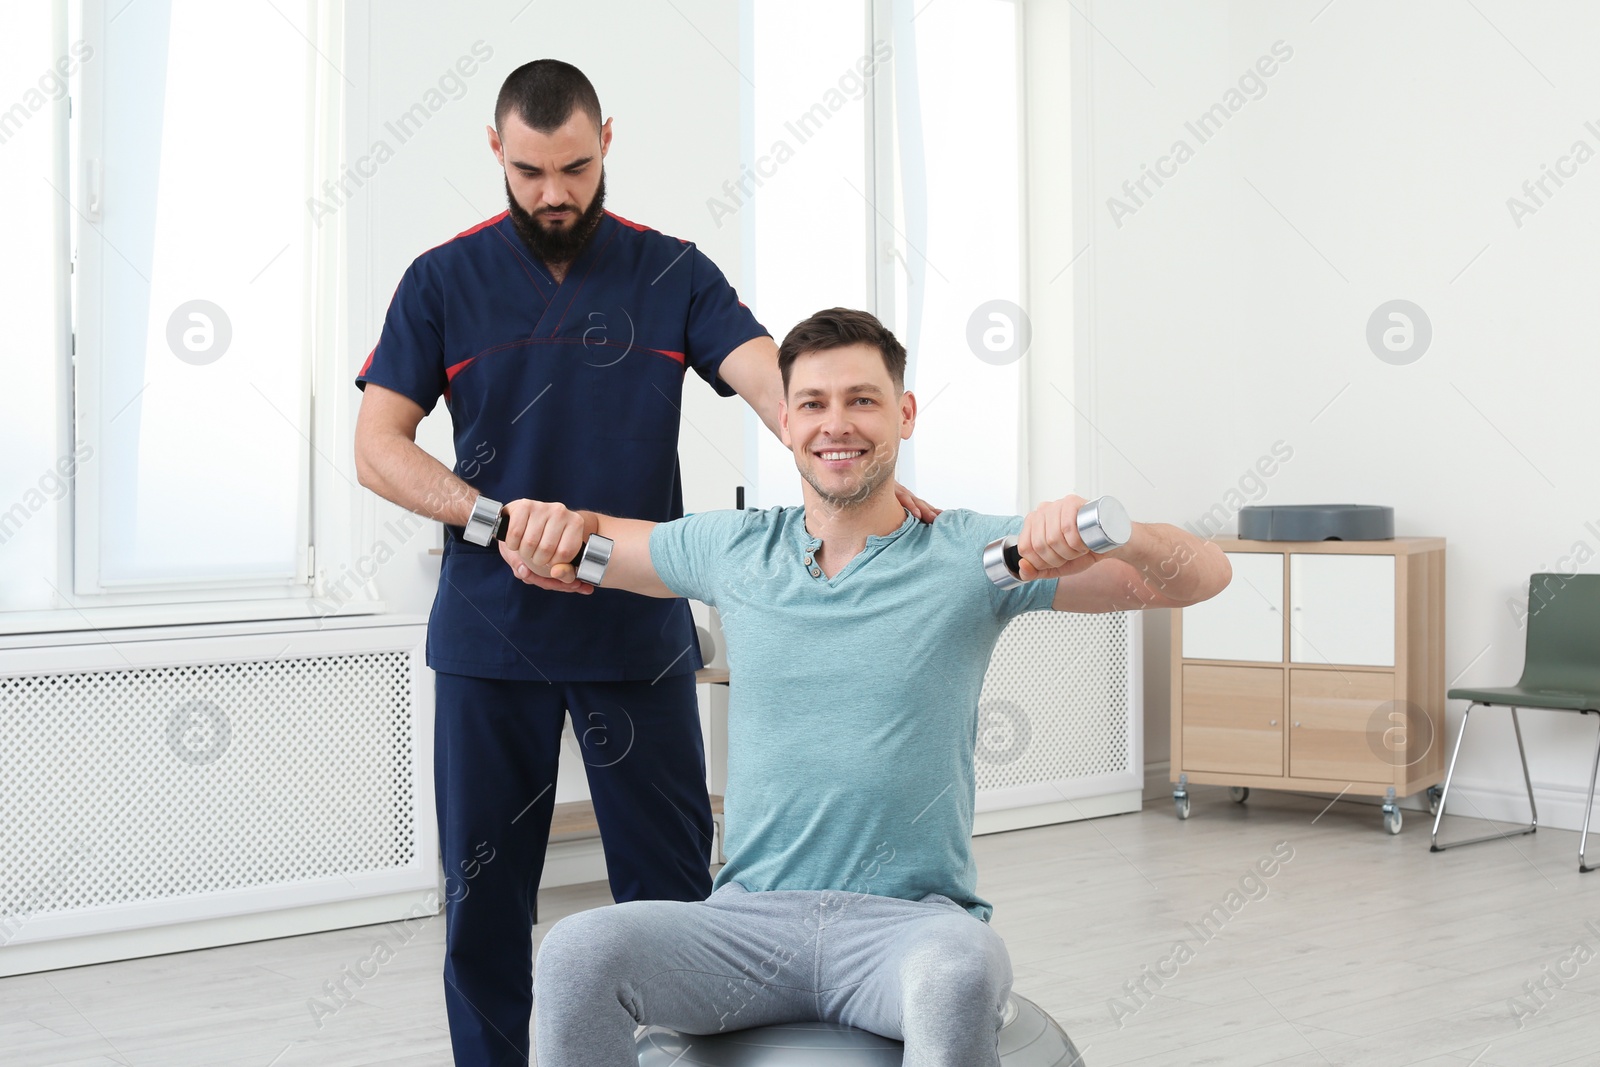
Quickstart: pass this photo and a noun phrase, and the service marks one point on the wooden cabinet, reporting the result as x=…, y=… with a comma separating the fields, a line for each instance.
x=1319, y=668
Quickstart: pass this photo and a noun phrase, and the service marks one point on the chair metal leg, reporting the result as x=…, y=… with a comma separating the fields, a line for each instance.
x=1444, y=797
x=1449, y=775
x=1588, y=809
x=1522, y=754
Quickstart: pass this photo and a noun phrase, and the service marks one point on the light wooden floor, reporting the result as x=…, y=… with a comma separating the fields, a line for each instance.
x=1365, y=949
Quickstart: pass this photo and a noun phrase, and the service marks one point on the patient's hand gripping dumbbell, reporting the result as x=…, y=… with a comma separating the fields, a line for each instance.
x=591, y=560
x=1103, y=524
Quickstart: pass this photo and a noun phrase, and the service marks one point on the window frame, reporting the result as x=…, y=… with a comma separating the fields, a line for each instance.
x=334, y=510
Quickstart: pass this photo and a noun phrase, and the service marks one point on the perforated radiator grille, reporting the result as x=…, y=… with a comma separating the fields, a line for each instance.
x=143, y=784
x=1056, y=700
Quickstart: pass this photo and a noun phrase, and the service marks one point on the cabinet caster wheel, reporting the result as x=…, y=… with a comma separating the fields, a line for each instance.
x=1391, y=820
x=1435, y=795
x=1239, y=793
x=1181, y=803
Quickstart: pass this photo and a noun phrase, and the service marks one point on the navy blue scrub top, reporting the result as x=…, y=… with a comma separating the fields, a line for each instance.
x=570, y=393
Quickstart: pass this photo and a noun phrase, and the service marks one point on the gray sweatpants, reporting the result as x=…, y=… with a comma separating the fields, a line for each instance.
x=922, y=971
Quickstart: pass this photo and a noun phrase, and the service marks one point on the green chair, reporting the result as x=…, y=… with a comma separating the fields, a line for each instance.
x=1560, y=671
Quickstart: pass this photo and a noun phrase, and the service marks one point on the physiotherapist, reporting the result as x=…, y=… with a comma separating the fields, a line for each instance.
x=559, y=336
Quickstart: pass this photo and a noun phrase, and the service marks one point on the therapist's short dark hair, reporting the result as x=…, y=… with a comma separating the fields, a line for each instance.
x=841, y=328
x=544, y=94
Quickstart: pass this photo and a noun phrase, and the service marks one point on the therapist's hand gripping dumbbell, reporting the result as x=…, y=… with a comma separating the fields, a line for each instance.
x=573, y=555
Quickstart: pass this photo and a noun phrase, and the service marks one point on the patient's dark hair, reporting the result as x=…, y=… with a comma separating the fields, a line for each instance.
x=544, y=94
x=840, y=328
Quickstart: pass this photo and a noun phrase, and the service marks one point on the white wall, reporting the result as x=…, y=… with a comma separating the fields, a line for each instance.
x=1229, y=311
x=664, y=72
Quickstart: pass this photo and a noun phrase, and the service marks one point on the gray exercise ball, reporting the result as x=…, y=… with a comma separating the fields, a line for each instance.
x=1028, y=1038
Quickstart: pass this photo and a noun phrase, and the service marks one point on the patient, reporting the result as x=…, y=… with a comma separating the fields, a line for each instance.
x=857, y=640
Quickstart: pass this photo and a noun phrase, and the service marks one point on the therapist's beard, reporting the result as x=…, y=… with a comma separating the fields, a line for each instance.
x=563, y=245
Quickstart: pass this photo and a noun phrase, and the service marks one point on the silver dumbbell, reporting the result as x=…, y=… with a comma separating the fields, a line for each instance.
x=1103, y=524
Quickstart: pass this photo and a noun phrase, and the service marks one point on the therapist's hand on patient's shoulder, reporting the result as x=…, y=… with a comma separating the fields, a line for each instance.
x=1050, y=544
x=924, y=511
x=541, y=540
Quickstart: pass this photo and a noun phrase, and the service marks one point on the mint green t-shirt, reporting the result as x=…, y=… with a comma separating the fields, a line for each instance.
x=853, y=705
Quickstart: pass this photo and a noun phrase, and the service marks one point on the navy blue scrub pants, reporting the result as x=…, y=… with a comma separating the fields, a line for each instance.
x=496, y=743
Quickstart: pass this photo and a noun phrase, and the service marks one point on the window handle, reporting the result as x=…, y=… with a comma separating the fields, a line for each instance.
x=93, y=189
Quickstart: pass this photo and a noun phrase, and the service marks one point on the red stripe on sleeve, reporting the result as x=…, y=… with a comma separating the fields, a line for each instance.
x=627, y=223
x=484, y=225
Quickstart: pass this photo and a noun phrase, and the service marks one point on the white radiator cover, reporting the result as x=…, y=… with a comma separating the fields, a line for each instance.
x=182, y=787
x=1060, y=721
x=179, y=787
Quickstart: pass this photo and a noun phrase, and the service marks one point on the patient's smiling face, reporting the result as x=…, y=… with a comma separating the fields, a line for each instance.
x=844, y=420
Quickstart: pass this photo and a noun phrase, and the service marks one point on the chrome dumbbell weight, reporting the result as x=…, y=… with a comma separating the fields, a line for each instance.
x=1103, y=524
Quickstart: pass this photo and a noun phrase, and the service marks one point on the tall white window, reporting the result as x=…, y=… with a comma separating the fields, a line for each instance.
x=908, y=203
x=193, y=294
